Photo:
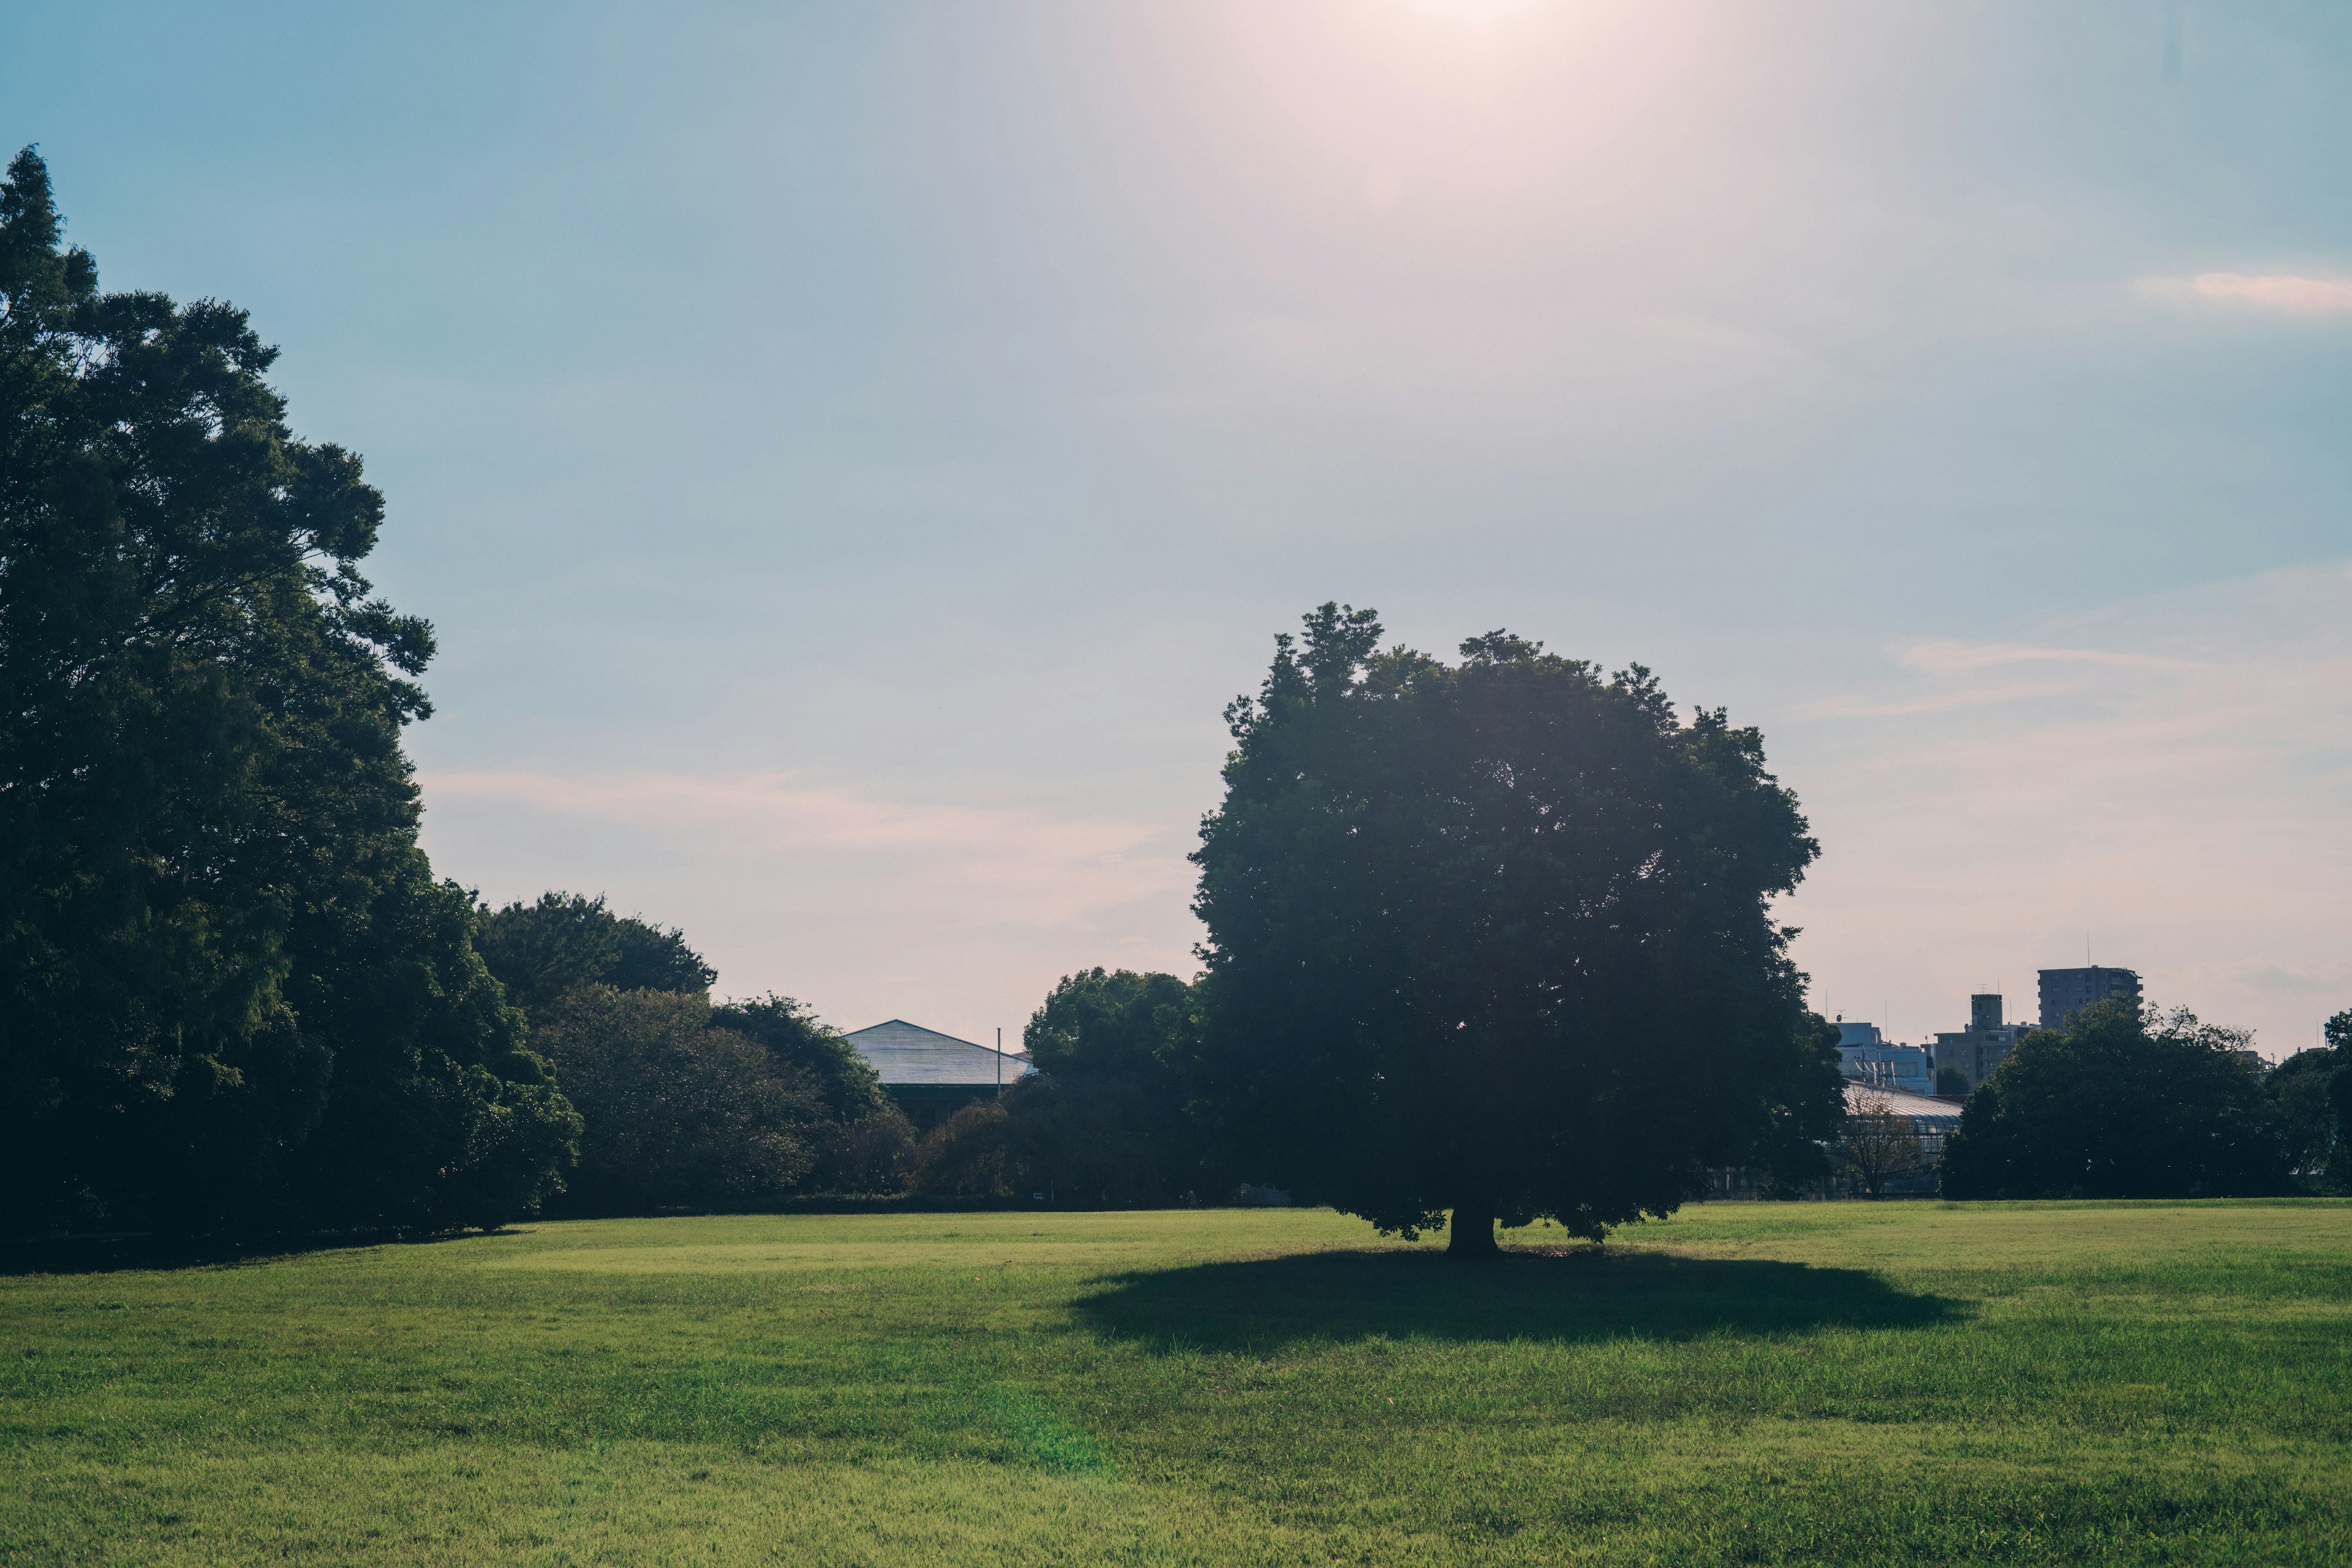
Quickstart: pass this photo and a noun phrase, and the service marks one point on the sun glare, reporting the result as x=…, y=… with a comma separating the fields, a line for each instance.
x=1471, y=10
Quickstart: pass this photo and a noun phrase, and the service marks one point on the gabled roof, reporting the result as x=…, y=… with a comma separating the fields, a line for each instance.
x=904, y=1053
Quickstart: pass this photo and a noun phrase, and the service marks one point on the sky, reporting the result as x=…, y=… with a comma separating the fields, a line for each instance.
x=852, y=453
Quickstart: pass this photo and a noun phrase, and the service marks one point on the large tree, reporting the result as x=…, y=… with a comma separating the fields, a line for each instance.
x=1103, y=1120
x=1496, y=938
x=234, y=993
x=867, y=1144
x=564, y=941
x=2300, y=1093
x=2123, y=1102
x=678, y=1112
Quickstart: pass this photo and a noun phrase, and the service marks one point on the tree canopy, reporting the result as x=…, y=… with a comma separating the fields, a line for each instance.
x=563, y=941
x=2123, y=1102
x=773, y=1099
x=677, y=1110
x=1103, y=1120
x=235, y=993
x=1495, y=937
x=2302, y=1094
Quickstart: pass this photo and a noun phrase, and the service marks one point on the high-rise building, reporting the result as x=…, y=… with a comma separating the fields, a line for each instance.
x=1978, y=1048
x=2066, y=991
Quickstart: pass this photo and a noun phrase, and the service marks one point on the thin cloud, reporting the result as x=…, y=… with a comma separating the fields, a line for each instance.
x=2188, y=812
x=2267, y=290
x=1948, y=655
x=1002, y=863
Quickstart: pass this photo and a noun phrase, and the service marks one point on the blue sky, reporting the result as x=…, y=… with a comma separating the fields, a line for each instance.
x=852, y=453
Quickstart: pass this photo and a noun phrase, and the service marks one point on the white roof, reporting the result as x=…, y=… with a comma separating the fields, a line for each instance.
x=1918, y=1107
x=904, y=1053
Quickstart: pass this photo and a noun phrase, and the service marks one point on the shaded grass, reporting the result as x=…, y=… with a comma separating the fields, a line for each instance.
x=1830, y=1383
x=1589, y=1293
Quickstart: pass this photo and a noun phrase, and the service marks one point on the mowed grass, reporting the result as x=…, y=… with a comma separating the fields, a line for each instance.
x=1820, y=1382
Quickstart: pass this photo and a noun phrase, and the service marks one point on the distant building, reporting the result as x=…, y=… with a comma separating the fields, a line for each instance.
x=1866, y=1056
x=1932, y=1120
x=1978, y=1048
x=2066, y=991
x=931, y=1076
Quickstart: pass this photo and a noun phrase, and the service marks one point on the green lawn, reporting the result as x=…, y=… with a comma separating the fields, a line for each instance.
x=1815, y=1383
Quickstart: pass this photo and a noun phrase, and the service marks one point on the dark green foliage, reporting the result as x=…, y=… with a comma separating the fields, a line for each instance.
x=1497, y=937
x=1103, y=1120
x=234, y=994
x=1951, y=1081
x=874, y=1154
x=2121, y=1104
x=970, y=1154
x=1105, y=1023
x=790, y=1032
x=2301, y=1092
x=678, y=1112
x=539, y=951
x=2339, y=1091
x=868, y=1145
x=1806, y=1116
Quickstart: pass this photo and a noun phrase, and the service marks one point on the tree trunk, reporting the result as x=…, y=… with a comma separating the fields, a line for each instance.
x=1473, y=1232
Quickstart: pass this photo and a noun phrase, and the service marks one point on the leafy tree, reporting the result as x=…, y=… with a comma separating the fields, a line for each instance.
x=970, y=1154
x=2301, y=1098
x=871, y=1154
x=1103, y=1120
x=231, y=993
x=2123, y=1103
x=1104, y=1116
x=1495, y=937
x=2339, y=1087
x=1105, y=1023
x=790, y=1032
x=539, y=951
x=868, y=1146
x=1878, y=1143
x=678, y=1112
x=1952, y=1082
x=1805, y=1118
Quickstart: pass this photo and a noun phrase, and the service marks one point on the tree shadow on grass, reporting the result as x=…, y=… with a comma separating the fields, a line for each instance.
x=1262, y=1304
x=144, y=1253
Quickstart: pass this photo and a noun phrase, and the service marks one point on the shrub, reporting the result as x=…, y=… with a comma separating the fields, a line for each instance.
x=677, y=1114
x=2122, y=1104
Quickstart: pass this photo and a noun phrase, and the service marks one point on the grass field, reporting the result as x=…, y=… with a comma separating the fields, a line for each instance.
x=1840, y=1383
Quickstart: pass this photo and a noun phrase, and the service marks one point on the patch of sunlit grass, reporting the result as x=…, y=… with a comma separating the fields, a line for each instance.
x=1830, y=1383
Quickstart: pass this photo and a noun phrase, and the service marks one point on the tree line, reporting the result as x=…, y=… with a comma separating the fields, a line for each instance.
x=1488, y=939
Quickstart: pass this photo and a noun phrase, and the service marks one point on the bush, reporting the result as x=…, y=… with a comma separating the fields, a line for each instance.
x=872, y=1154
x=2123, y=1104
x=677, y=1114
x=2302, y=1094
x=970, y=1155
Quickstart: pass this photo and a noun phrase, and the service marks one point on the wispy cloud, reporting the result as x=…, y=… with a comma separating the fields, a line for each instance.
x=1947, y=656
x=2176, y=788
x=2267, y=290
x=997, y=864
